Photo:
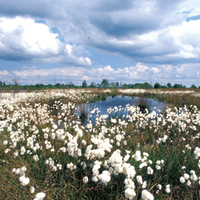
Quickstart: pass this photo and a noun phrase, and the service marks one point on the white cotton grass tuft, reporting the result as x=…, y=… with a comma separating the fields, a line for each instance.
x=146, y=195
x=32, y=189
x=139, y=179
x=167, y=189
x=130, y=193
x=85, y=179
x=40, y=196
x=24, y=180
x=137, y=156
x=182, y=179
x=129, y=183
x=149, y=170
x=104, y=177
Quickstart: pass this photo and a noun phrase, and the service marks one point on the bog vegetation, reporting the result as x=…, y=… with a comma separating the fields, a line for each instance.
x=48, y=153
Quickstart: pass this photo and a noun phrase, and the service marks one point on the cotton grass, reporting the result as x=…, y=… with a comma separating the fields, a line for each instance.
x=46, y=148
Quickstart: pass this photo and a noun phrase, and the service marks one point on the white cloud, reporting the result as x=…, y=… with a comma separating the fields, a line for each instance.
x=139, y=73
x=4, y=73
x=154, y=70
x=24, y=39
x=145, y=31
x=32, y=72
x=159, y=35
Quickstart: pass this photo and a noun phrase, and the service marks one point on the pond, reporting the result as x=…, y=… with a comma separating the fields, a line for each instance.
x=120, y=102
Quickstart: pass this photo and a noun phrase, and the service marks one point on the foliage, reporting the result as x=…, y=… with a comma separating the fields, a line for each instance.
x=104, y=84
x=84, y=84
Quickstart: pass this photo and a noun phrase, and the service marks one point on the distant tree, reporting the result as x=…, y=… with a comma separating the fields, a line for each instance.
x=117, y=84
x=84, y=84
x=114, y=84
x=124, y=86
x=193, y=86
x=71, y=85
x=50, y=86
x=39, y=86
x=146, y=85
x=105, y=83
x=92, y=85
x=169, y=85
x=57, y=85
x=157, y=85
x=179, y=86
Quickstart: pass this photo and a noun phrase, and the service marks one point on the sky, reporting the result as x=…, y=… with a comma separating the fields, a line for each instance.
x=64, y=41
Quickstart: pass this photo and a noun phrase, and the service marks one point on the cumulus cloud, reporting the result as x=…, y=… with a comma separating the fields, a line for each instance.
x=138, y=73
x=23, y=39
x=145, y=31
x=161, y=36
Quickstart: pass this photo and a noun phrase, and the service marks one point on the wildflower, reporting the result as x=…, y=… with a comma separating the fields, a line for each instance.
x=126, y=157
x=95, y=169
x=149, y=170
x=130, y=171
x=63, y=149
x=23, y=169
x=144, y=185
x=5, y=142
x=46, y=136
x=22, y=150
x=137, y=156
x=144, y=164
x=158, y=167
x=40, y=196
x=139, y=179
x=119, y=168
x=84, y=165
x=24, y=180
x=118, y=137
x=71, y=166
x=36, y=158
x=164, y=138
x=85, y=179
x=159, y=186
x=59, y=166
x=129, y=183
x=189, y=183
x=130, y=193
x=193, y=176
x=167, y=189
x=94, y=179
x=13, y=170
x=32, y=189
x=104, y=177
x=182, y=179
x=146, y=195
x=15, y=154
x=83, y=142
x=125, y=143
x=186, y=176
x=7, y=150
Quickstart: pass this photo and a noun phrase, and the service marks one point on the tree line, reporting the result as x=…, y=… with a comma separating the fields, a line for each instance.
x=104, y=84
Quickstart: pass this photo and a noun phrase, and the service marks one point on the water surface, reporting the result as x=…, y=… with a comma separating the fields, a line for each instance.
x=120, y=102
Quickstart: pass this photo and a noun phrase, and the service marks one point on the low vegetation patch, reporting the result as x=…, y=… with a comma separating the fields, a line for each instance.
x=47, y=152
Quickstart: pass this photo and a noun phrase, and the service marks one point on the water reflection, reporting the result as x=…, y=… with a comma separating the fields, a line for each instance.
x=117, y=105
